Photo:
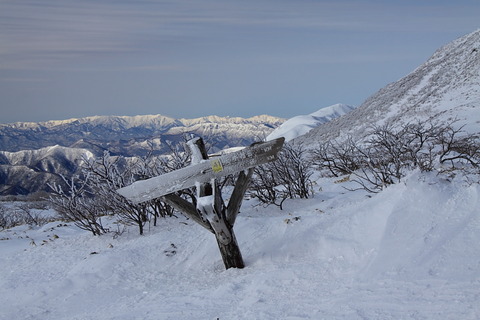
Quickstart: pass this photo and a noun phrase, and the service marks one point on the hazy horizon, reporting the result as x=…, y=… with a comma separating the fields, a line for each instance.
x=188, y=59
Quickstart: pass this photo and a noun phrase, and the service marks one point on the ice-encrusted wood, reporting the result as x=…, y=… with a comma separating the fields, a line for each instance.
x=202, y=172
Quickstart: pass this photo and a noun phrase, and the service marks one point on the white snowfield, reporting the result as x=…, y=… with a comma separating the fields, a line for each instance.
x=409, y=252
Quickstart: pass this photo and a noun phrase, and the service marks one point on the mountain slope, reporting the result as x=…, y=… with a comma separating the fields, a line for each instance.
x=446, y=86
x=300, y=125
x=30, y=171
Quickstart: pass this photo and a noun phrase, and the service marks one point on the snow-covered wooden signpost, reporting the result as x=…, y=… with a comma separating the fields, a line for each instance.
x=203, y=172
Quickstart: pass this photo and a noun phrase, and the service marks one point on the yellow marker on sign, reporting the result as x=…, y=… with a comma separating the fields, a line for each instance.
x=216, y=165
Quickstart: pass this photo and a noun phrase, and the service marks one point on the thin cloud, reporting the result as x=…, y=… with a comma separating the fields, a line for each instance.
x=46, y=33
x=39, y=34
x=19, y=79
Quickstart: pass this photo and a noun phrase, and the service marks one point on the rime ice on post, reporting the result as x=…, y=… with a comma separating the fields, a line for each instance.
x=210, y=211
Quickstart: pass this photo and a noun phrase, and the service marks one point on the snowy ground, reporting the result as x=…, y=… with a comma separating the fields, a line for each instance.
x=410, y=252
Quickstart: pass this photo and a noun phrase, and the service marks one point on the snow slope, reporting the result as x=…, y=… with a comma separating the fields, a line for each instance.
x=300, y=125
x=409, y=252
x=446, y=86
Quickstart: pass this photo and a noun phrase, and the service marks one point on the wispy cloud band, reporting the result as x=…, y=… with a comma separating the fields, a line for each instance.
x=42, y=33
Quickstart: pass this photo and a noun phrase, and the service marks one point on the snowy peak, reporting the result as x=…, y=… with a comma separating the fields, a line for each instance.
x=300, y=125
x=446, y=86
x=332, y=112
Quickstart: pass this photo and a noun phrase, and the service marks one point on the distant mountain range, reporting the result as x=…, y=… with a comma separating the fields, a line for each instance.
x=131, y=136
x=33, y=154
x=29, y=171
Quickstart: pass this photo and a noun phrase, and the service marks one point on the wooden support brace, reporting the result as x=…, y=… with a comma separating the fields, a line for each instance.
x=237, y=195
x=187, y=208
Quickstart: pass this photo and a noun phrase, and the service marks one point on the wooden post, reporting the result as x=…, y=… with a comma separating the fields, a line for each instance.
x=237, y=195
x=210, y=204
x=187, y=208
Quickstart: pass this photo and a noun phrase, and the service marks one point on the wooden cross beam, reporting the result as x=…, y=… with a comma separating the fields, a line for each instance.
x=203, y=172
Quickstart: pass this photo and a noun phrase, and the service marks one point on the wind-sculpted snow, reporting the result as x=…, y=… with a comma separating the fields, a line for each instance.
x=409, y=252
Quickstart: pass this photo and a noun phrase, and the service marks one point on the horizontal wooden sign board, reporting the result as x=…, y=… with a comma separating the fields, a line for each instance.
x=205, y=171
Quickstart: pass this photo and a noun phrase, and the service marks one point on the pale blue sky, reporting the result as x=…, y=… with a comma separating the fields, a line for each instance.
x=191, y=58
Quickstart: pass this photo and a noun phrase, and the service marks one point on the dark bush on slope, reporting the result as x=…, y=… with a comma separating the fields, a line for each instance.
x=389, y=153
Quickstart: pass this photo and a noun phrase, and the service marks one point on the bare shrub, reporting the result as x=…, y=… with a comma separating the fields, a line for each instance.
x=458, y=148
x=389, y=152
x=85, y=200
x=21, y=214
x=295, y=169
x=76, y=203
x=336, y=158
x=287, y=177
x=266, y=185
x=5, y=220
x=106, y=175
x=31, y=213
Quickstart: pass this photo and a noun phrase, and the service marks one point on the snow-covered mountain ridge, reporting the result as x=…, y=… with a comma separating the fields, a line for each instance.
x=25, y=157
x=29, y=171
x=125, y=134
x=446, y=86
x=150, y=121
x=300, y=125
